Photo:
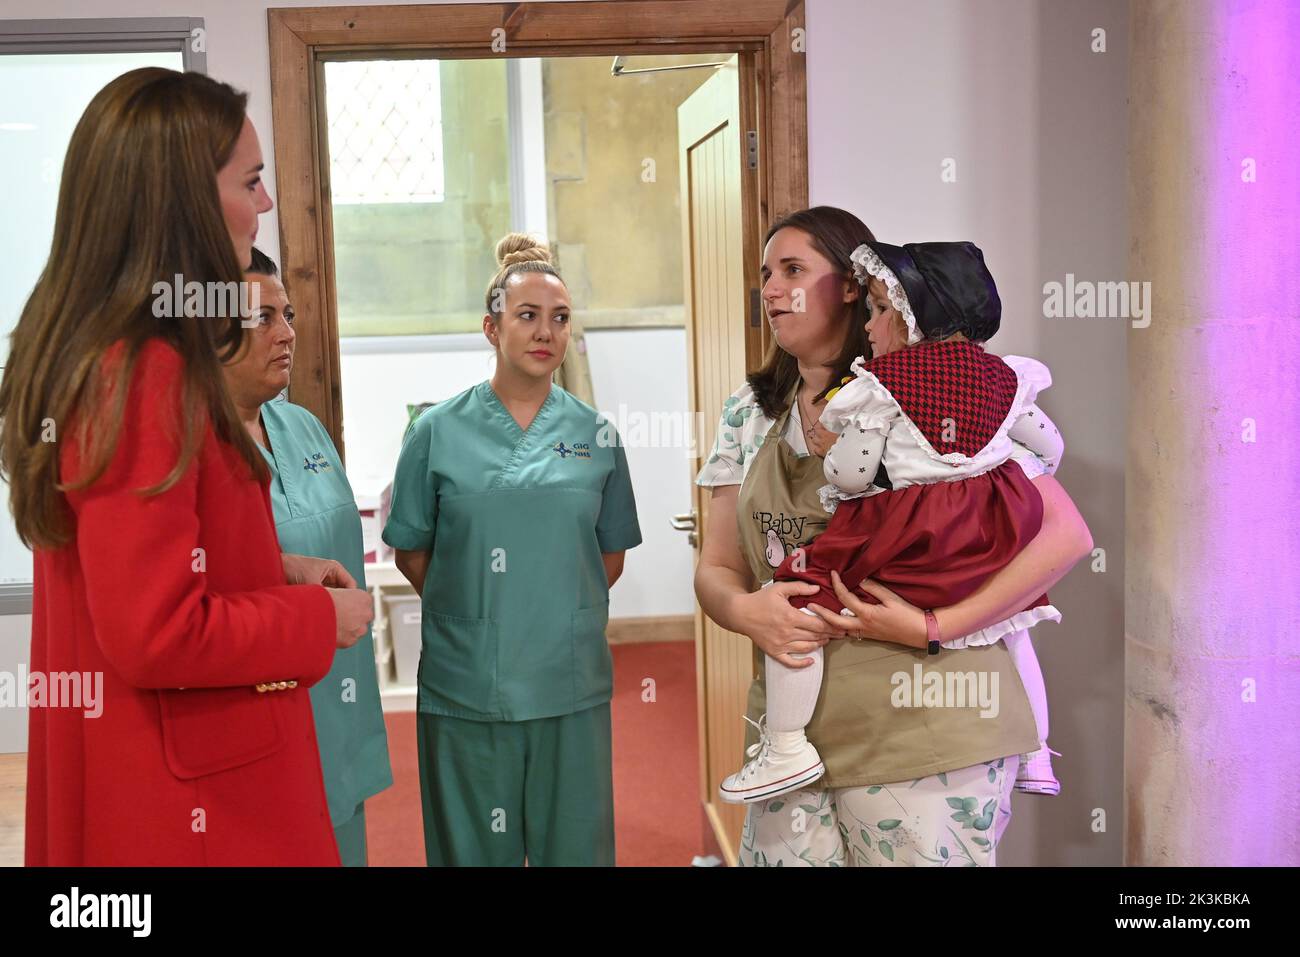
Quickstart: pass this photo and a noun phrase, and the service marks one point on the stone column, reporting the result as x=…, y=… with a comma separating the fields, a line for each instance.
x=1212, y=716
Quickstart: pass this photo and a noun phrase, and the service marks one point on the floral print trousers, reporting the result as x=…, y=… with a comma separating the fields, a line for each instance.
x=951, y=819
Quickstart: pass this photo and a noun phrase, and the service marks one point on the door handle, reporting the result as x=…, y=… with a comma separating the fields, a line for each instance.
x=684, y=522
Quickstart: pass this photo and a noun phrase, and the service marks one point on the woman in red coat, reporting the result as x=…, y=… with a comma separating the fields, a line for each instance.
x=147, y=507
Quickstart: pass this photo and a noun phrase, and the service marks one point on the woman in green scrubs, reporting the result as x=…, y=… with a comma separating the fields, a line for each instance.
x=315, y=515
x=512, y=508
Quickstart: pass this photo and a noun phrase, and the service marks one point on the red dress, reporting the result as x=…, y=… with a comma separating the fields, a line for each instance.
x=216, y=773
x=933, y=544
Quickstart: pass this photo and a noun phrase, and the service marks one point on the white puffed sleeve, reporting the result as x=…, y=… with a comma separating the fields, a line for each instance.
x=1039, y=437
x=862, y=403
x=862, y=413
x=852, y=462
x=1033, y=377
x=1039, y=444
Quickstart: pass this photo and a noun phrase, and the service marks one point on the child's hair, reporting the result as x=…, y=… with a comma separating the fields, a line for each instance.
x=876, y=287
x=516, y=253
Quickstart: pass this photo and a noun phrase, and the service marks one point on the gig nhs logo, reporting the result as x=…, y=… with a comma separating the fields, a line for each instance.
x=76, y=909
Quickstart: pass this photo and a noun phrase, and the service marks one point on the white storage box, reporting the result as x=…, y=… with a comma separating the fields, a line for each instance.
x=373, y=505
x=404, y=635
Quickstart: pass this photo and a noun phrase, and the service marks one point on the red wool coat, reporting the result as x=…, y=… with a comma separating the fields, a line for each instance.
x=188, y=764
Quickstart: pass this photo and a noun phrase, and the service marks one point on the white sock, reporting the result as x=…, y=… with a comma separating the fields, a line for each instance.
x=1031, y=676
x=792, y=693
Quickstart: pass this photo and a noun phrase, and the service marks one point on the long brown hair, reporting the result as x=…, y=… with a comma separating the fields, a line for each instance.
x=834, y=233
x=138, y=205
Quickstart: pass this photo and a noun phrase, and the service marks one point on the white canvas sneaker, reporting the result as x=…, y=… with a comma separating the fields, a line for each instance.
x=781, y=761
x=1035, y=775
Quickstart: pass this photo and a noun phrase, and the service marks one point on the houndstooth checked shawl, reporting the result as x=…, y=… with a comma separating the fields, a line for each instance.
x=956, y=381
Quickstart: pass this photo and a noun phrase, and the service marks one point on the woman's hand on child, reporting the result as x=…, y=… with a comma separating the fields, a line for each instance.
x=777, y=628
x=820, y=440
x=894, y=620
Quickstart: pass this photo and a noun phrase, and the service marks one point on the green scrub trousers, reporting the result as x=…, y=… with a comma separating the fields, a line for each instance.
x=491, y=789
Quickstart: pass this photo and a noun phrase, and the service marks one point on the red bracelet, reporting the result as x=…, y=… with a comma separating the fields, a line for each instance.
x=931, y=632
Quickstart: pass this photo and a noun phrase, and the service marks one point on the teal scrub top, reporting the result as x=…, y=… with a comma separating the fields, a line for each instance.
x=516, y=600
x=316, y=515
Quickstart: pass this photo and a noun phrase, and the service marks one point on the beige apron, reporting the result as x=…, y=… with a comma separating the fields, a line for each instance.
x=862, y=736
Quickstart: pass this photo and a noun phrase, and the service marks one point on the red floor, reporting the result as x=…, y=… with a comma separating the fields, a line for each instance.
x=656, y=767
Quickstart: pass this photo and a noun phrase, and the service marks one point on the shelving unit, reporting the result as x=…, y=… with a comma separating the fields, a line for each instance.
x=383, y=579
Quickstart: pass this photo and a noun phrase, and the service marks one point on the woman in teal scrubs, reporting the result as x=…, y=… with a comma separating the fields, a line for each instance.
x=512, y=508
x=315, y=515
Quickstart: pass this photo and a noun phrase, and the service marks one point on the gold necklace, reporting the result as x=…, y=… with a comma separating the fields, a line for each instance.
x=806, y=415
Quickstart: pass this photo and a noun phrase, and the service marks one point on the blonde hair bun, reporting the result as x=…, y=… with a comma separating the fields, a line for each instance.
x=517, y=248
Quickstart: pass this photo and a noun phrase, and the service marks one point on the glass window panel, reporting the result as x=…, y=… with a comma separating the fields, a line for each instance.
x=42, y=96
x=385, y=131
x=420, y=191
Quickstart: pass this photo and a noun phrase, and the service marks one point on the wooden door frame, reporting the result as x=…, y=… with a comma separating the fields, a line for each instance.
x=706, y=122
x=764, y=29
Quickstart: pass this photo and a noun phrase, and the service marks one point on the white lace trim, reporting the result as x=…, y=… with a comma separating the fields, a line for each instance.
x=995, y=633
x=866, y=264
x=832, y=495
x=1029, y=463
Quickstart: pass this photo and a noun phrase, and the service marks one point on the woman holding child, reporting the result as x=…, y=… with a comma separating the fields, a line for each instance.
x=901, y=784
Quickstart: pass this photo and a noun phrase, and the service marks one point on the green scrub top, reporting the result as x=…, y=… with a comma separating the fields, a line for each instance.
x=316, y=515
x=516, y=600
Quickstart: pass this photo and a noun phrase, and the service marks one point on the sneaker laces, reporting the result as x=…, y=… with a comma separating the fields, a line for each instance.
x=760, y=750
x=1034, y=761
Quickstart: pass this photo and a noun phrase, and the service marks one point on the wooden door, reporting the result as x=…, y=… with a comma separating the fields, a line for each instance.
x=719, y=230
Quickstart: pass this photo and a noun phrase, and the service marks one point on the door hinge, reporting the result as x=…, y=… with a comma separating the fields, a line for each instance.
x=751, y=149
